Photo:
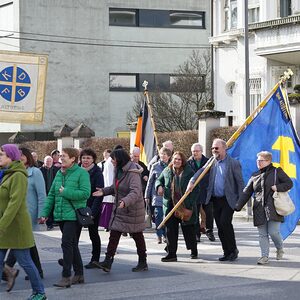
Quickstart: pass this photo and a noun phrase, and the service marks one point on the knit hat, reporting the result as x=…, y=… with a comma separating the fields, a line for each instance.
x=12, y=151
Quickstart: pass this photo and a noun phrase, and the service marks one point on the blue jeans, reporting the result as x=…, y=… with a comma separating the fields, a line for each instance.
x=272, y=229
x=24, y=259
x=158, y=215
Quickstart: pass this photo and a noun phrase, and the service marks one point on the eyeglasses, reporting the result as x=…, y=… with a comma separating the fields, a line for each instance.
x=260, y=160
x=214, y=148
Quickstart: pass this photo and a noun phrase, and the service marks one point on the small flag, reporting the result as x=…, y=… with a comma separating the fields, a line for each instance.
x=272, y=130
x=145, y=138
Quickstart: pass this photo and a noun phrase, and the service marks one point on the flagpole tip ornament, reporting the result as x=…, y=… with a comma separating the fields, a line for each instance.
x=286, y=75
x=145, y=85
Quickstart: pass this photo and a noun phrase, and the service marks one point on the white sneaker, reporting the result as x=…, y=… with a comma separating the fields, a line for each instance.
x=263, y=260
x=279, y=254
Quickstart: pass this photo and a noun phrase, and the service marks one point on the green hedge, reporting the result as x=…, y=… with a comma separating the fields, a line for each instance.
x=182, y=141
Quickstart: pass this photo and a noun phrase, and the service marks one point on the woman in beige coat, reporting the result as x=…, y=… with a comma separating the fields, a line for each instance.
x=129, y=209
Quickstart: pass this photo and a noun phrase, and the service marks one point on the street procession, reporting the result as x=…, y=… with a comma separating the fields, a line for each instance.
x=149, y=149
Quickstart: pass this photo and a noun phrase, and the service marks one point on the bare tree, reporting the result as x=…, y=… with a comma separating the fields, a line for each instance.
x=189, y=92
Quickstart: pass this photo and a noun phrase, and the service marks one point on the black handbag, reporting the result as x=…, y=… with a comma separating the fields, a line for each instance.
x=83, y=215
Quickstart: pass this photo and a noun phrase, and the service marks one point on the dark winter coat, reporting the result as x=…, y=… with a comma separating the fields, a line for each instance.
x=97, y=181
x=165, y=180
x=131, y=218
x=260, y=185
x=49, y=175
x=201, y=188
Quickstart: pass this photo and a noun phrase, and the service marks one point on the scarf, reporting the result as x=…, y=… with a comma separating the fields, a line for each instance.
x=176, y=186
x=2, y=174
x=89, y=167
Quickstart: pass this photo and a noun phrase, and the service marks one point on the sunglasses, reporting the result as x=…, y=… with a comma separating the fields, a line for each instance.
x=214, y=148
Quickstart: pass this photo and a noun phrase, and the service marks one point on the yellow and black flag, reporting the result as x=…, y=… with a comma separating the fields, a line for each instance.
x=145, y=138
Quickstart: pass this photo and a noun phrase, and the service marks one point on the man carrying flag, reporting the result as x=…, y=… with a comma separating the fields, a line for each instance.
x=224, y=189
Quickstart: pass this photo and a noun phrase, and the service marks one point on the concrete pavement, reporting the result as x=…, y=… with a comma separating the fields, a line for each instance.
x=204, y=278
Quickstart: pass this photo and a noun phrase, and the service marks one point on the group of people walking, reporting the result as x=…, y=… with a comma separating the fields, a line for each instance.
x=72, y=180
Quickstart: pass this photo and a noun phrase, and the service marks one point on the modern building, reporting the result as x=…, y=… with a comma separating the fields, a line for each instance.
x=274, y=46
x=100, y=52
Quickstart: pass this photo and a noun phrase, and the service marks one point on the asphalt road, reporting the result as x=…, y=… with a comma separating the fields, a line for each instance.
x=203, y=278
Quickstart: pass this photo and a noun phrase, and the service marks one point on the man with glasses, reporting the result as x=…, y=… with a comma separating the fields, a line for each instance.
x=224, y=189
x=197, y=161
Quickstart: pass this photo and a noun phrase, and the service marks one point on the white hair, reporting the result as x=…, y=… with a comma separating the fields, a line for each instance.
x=197, y=145
x=47, y=157
x=136, y=150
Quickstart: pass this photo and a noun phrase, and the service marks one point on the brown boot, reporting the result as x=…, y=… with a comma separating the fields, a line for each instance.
x=65, y=282
x=77, y=279
x=11, y=275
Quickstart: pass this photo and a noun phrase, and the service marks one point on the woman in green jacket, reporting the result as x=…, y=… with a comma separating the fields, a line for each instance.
x=171, y=184
x=15, y=222
x=71, y=185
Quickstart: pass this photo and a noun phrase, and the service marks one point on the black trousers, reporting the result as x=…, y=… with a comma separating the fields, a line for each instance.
x=208, y=209
x=223, y=216
x=69, y=244
x=11, y=259
x=172, y=232
x=95, y=239
x=114, y=239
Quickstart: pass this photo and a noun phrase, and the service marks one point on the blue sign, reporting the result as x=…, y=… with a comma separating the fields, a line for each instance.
x=15, y=84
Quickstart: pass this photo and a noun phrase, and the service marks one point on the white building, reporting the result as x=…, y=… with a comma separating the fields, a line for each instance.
x=101, y=51
x=274, y=46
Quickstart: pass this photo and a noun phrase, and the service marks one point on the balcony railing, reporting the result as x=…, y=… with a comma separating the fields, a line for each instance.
x=276, y=22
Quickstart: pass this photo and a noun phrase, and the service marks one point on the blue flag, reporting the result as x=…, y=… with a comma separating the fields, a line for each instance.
x=272, y=130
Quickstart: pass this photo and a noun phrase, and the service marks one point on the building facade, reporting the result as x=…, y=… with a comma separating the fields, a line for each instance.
x=100, y=52
x=274, y=46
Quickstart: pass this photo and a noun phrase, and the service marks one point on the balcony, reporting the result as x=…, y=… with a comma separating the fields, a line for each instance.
x=276, y=39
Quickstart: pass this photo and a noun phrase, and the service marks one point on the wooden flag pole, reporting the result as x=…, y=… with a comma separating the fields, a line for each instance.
x=210, y=162
x=146, y=94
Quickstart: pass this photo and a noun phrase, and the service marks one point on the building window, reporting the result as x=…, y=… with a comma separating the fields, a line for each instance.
x=123, y=82
x=230, y=14
x=233, y=14
x=285, y=8
x=153, y=18
x=255, y=92
x=187, y=19
x=253, y=15
x=123, y=17
x=187, y=83
x=156, y=82
x=230, y=88
x=156, y=18
x=6, y=17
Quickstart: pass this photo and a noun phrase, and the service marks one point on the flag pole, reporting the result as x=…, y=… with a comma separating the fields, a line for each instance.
x=146, y=94
x=210, y=162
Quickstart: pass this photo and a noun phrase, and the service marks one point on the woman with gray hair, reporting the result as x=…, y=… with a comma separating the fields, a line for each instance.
x=263, y=183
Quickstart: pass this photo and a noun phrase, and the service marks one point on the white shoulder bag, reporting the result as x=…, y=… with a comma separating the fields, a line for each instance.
x=282, y=201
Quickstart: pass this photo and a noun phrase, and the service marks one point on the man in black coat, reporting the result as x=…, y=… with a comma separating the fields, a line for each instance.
x=197, y=161
x=49, y=171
